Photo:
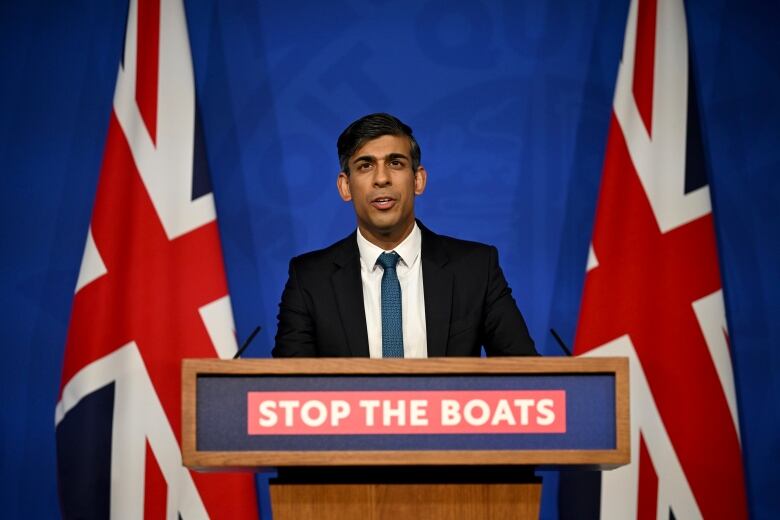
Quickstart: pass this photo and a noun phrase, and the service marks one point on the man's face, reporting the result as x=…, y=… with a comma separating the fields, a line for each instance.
x=382, y=187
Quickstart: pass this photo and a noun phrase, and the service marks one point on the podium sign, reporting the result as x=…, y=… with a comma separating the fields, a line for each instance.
x=444, y=411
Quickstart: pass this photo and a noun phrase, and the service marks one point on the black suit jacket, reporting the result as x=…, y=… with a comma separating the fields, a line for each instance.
x=468, y=303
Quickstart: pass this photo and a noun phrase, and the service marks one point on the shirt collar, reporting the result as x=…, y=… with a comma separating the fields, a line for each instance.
x=408, y=249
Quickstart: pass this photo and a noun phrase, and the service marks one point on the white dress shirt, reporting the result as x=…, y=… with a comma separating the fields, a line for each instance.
x=409, y=271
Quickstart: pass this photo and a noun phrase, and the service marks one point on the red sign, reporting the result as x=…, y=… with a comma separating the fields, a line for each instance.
x=405, y=412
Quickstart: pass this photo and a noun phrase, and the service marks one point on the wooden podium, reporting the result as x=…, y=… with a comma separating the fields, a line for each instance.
x=411, y=438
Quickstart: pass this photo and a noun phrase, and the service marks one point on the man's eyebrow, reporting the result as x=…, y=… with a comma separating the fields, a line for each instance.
x=368, y=158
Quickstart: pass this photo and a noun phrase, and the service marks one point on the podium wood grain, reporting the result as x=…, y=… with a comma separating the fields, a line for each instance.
x=405, y=501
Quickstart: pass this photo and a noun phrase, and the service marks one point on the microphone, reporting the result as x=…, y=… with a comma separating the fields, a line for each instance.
x=561, y=343
x=247, y=342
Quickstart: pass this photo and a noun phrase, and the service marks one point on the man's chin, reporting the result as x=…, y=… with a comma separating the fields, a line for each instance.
x=388, y=229
x=381, y=223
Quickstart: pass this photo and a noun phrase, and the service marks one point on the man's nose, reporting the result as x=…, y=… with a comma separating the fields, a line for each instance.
x=381, y=175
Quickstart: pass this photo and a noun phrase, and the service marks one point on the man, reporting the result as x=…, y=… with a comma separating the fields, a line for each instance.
x=393, y=288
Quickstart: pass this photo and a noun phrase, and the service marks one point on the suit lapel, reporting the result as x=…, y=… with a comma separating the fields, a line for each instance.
x=437, y=287
x=348, y=289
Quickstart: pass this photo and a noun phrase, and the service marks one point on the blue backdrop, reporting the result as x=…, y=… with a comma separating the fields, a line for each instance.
x=510, y=101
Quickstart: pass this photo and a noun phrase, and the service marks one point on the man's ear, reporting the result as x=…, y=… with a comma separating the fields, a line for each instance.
x=342, y=183
x=420, y=180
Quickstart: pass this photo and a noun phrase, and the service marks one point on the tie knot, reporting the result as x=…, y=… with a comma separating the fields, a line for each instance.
x=388, y=260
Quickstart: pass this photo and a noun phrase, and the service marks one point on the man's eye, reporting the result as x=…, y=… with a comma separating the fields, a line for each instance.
x=395, y=163
x=364, y=166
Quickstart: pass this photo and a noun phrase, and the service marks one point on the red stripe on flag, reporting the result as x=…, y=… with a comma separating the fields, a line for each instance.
x=148, y=63
x=644, y=61
x=155, y=488
x=647, y=503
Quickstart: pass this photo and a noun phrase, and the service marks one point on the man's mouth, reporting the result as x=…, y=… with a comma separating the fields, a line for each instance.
x=383, y=203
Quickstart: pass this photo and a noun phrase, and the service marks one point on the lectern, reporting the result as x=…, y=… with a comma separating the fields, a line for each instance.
x=410, y=438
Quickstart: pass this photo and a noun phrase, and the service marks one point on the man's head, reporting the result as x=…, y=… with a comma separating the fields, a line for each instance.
x=381, y=175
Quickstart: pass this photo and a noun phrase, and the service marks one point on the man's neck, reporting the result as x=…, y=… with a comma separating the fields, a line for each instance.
x=386, y=242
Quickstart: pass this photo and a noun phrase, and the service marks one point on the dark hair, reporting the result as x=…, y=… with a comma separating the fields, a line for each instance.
x=370, y=127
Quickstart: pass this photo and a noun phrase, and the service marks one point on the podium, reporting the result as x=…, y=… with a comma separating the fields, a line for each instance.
x=422, y=438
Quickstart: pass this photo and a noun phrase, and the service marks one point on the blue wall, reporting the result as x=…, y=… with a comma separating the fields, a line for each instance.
x=510, y=102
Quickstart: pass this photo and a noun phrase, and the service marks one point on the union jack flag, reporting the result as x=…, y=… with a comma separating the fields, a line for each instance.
x=653, y=290
x=151, y=291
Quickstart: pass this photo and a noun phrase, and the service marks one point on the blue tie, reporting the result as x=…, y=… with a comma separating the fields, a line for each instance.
x=392, y=330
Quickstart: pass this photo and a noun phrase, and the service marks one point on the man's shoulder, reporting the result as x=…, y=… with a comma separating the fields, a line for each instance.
x=340, y=251
x=453, y=246
x=463, y=244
